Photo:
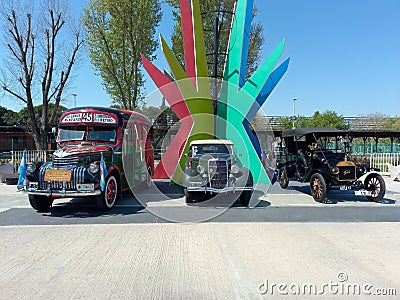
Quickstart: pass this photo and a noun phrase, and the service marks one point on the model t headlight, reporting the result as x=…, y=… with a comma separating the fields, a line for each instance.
x=200, y=169
x=235, y=169
x=335, y=170
x=31, y=167
x=94, y=168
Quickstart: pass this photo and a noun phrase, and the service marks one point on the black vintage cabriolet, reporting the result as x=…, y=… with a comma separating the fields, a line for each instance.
x=213, y=168
x=321, y=156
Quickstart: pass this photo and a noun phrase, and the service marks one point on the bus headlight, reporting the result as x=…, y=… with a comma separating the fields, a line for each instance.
x=31, y=167
x=94, y=168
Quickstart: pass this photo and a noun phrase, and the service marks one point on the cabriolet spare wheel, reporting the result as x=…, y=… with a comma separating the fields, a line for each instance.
x=318, y=187
x=376, y=184
x=302, y=167
x=111, y=193
x=283, y=178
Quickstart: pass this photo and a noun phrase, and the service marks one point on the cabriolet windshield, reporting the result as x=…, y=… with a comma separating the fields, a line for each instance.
x=199, y=150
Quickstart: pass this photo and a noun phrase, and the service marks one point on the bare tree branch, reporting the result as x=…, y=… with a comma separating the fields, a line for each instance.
x=14, y=94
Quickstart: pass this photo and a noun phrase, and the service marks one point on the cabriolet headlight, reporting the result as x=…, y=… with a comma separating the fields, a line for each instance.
x=200, y=169
x=94, y=168
x=31, y=167
x=235, y=169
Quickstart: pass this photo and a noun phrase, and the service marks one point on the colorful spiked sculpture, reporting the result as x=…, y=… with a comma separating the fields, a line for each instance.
x=189, y=93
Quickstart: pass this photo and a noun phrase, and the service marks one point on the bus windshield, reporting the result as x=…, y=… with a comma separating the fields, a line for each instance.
x=71, y=134
x=104, y=134
x=101, y=134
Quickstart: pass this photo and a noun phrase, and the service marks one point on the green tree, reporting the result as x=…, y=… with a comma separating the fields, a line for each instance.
x=7, y=117
x=151, y=112
x=117, y=32
x=376, y=121
x=209, y=10
x=328, y=118
x=42, y=48
x=21, y=118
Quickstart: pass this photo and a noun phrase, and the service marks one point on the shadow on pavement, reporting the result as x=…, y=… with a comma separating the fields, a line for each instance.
x=336, y=196
x=87, y=208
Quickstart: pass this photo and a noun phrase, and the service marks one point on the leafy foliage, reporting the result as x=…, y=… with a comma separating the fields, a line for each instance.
x=21, y=118
x=117, y=33
x=7, y=117
x=328, y=118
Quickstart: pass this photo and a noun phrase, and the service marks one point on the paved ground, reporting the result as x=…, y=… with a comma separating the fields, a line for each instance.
x=288, y=241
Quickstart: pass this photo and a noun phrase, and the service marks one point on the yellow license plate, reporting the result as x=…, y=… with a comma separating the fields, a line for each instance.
x=57, y=175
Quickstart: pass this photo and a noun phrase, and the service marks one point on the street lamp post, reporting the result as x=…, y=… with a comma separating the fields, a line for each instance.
x=74, y=98
x=294, y=112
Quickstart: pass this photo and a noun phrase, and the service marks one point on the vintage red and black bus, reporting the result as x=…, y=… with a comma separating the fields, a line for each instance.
x=100, y=153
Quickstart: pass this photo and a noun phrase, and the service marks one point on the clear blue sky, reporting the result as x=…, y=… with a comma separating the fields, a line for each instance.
x=345, y=56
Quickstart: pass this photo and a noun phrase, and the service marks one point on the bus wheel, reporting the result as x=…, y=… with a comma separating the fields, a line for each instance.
x=111, y=193
x=40, y=203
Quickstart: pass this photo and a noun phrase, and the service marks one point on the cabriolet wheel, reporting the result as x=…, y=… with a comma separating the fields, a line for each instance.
x=189, y=197
x=111, y=193
x=318, y=187
x=149, y=174
x=376, y=184
x=40, y=203
x=283, y=178
x=245, y=197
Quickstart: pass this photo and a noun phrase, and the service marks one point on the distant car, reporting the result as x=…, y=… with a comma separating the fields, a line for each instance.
x=213, y=168
x=320, y=156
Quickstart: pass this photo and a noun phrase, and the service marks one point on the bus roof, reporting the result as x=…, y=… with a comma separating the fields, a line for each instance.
x=77, y=116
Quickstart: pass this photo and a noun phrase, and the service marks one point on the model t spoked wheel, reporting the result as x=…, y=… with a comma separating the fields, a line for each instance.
x=283, y=178
x=40, y=203
x=376, y=185
x=318, y=187
x=110, y=195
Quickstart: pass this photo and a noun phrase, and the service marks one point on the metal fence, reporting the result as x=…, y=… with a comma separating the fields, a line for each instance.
x=31, y=155
x=380, y=160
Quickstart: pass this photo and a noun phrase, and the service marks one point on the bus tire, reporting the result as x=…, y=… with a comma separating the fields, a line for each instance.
x=112, y=192
x=40, y=203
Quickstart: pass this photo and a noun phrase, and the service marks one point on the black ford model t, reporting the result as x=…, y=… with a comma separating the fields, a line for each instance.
x=321, y=156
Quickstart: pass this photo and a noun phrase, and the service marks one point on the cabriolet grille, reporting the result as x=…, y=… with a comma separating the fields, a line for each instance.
x=64, y=163
x=218, y=172
x=347, y=173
